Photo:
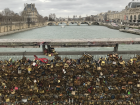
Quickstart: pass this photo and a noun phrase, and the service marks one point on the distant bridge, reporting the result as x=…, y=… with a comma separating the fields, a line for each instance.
x=72, y=22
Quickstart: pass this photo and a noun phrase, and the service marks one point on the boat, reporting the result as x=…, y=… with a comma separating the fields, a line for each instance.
x=62, y=26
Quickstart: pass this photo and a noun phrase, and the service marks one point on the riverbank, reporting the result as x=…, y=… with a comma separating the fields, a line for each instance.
x=22, y=30
x=111, y=26
x=132, y=31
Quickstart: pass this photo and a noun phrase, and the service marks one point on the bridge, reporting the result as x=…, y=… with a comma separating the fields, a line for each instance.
x=72, y=22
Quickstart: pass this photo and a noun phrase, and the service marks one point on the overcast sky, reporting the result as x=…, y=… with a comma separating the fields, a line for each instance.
x=65, y=8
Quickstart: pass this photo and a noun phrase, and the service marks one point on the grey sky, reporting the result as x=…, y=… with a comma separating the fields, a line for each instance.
x=65, y=8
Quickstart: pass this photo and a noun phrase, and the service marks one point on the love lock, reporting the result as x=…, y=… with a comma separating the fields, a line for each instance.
x=49, y=51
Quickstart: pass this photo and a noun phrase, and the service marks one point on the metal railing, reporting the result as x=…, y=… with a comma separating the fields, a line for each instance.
x=67, y=43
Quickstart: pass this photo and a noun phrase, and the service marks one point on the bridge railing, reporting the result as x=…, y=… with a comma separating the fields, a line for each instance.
x=67, y=43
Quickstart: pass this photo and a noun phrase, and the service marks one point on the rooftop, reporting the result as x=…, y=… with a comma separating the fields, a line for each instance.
x=134, y=4
x=31, y=7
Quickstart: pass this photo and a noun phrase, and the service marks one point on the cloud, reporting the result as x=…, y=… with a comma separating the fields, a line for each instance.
x=65, y=8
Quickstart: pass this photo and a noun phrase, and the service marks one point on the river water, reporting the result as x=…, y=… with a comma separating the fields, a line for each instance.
x=72, y=32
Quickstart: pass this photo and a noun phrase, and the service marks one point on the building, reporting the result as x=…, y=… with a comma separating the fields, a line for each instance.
x=133, y=5
x=30, y=13
x=131, y=13
x=115, y=16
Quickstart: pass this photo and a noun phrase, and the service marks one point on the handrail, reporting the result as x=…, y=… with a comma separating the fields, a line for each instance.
x=37, y=43
x=91, y=41
x=69, y=53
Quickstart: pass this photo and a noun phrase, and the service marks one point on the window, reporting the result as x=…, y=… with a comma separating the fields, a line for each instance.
x=139, y=17
x=131, y=17
x=134, y=17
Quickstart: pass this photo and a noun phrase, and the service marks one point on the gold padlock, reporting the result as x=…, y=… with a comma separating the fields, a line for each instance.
x=55, y=53
x=51, y=66
x=57, y=65
x=138, y=85
x=99, y=68
x=41, y=91
x=134, y=59
x=49, y=55
x=103, y=63
x=115, y=71
x=8, y=100
x=87, y=66
x=121, y=63
x=66, y=65
x=58, y=81
x=29, y=68
x=10, y=59
x=134, y=72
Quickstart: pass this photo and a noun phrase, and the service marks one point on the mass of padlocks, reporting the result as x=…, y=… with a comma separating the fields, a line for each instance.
x=83, y=81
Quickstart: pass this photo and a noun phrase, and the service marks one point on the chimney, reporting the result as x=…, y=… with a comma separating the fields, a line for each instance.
x=34, y=5
x=31, y=6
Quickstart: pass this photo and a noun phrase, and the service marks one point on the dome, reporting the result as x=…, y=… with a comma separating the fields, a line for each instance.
x=133, y=5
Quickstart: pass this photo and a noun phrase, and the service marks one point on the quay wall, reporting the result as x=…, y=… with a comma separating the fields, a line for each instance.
x=131, y=29
x=18, y=27
x=110, y=26
x=137, y=32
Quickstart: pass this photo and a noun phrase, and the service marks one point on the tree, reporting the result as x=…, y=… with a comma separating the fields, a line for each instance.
x=17, y=17
x=45, y=18
x=52, y=17
x=22, y=14
x=7, y=13
x=1, y=16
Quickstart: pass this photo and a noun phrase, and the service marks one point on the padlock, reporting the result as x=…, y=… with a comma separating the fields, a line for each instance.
x=103, y=63
x=99, y=68
x=49, y=55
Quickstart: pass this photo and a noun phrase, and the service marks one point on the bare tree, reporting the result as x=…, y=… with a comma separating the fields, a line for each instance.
x=45, y=18
x=8, y=14
x=52, y=17
x=22, y=14
x=1, y=16
x=17, y=17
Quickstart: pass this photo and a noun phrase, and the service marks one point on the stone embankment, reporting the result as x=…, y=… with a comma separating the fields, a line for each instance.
x=123, y=28
x=16, y=31
x=132, y=31
x=15, y=28
x=110, y=25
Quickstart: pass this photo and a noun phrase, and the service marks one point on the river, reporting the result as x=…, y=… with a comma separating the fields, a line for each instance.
x=72, y=32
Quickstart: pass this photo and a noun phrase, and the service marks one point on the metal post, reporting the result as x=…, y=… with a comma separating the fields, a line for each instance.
x=116, y=48
x=43, y=47
x=49, y=48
